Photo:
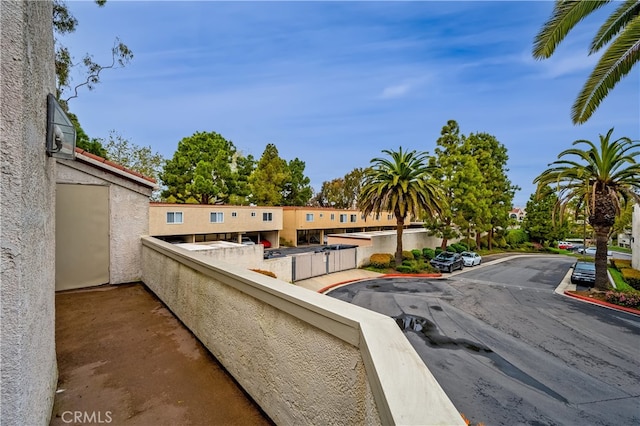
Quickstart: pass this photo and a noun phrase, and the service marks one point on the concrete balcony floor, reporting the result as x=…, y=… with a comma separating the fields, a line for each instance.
x=124, y=359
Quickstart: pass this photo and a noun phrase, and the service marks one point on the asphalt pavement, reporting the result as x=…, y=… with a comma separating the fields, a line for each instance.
x=508, y=350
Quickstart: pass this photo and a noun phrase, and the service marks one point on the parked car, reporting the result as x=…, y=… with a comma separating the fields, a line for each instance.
x=270, y=254
x=577, y=248
x=265, y=243
x=584, y=273
x=247, y=241
x=447, y=261
x=470, y=258
x=565, y=245
x=591, y=251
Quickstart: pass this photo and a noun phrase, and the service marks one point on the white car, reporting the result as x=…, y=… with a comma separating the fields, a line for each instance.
x=470, y=258
x=591, y=251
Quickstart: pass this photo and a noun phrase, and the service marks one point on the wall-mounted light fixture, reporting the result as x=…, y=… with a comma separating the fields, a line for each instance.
x=61, y=134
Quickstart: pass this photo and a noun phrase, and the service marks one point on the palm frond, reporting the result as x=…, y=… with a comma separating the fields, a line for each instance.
x=565, y=16
x=624, y=14
x=615, y=63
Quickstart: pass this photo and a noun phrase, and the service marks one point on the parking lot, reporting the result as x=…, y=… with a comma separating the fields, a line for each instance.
x=508, y=350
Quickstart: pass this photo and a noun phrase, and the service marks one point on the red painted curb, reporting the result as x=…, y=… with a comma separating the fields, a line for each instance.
x=601, y=303
x=329, y=287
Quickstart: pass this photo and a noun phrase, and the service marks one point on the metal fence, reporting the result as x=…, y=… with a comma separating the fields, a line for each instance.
x=334, y=258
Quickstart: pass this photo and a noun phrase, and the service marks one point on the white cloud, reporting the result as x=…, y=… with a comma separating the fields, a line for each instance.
x=395, y=91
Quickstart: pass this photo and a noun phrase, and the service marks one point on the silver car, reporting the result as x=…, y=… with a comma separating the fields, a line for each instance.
x=470, y=258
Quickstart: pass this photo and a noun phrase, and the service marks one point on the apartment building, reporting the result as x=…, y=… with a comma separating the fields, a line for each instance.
x=310, y=225
x=195, y=223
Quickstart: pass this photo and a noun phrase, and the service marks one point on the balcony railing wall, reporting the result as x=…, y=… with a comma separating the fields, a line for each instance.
x=305, y=358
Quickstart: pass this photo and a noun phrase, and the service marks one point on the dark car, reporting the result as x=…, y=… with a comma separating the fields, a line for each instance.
x=584, y=273
x=447, y=261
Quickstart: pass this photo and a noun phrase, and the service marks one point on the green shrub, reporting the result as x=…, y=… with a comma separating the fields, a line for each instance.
x=501, y=242
x=381, y=260
x=428, y=253
x=470, y=243
x=417, y=254
x=404, y=269
x=484, y=242
x=451, y=249
x=407, y=255
x=438, y=250
x=516, y=237
x=632, y=277
x=459, y=248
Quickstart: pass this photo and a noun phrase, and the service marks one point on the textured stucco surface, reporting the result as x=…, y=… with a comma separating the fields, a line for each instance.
x=635, y=233
x=297, y=373
x=128, y=216
x=305, y=358
x=27, y=209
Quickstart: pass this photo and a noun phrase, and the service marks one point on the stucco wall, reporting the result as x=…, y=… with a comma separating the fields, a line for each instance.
x=305, y=358
x=385, y=242
x=128, y=216
x=27, y=212
x=249, y=257
x=635, y=235
x=196, y=220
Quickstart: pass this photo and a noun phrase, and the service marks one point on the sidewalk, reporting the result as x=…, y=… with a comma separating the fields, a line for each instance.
x=124, y=359
x=322, y=281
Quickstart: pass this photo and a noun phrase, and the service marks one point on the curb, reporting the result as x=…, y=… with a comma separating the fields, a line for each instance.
x=603, y=304
x=332, y=286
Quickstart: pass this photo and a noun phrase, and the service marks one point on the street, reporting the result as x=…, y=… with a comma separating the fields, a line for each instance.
x=508, y=351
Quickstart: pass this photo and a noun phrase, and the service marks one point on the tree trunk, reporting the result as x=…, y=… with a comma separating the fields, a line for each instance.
x=601, y=261
x=445, y=232
x=399, y=229
x=602, y=218
x=490, y=239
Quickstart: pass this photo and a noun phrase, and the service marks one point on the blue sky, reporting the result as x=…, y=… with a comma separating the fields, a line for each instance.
x=335, y=83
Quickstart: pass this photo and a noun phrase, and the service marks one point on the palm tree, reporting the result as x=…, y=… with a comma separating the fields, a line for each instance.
x=622, y=26
x=601, y=179
x=399, y=184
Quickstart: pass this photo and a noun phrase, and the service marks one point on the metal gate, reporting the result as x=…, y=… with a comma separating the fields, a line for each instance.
x=330, y=259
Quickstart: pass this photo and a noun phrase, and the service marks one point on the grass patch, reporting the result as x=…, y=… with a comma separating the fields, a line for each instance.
x=621, y=285
x=620, y=249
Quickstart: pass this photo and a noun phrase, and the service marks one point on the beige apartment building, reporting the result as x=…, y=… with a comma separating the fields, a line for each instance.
x=310, y=225
x=195, y=223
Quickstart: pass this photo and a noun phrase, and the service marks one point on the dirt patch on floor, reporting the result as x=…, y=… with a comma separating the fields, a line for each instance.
x=124, y=359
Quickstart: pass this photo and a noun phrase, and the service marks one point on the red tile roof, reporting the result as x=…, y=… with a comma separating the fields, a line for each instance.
x=114, y=165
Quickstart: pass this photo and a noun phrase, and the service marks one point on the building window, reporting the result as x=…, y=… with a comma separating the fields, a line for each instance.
x=333, y=216
x=253, y=214
x=343, y=218
x=174, y=217
x=309, y=217
x=216, y=217
x=267, y=217
x=389, y=216
x=354, y=218
x=321, y=215
x=377, y=216
x=234, y=214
